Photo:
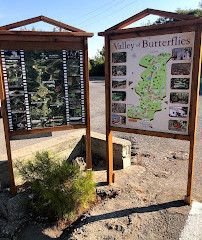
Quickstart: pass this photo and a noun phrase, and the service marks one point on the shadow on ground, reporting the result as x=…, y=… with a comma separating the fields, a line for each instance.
x=126, y=212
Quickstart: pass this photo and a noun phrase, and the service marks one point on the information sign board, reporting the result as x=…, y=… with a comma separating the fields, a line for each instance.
x=151, y=82
x=44, y=82
x=152, y=76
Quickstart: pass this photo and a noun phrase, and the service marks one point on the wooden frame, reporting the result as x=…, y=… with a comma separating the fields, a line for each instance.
x=72, y=39
x=186, y=24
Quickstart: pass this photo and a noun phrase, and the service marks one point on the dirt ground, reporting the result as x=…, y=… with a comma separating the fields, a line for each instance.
x=149, y=195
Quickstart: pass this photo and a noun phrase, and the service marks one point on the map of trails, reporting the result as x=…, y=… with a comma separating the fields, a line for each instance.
x=152, y=87
x=45, y=76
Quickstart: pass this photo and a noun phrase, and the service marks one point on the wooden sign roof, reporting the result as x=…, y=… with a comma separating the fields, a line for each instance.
x=72, y=31
x=183, y=18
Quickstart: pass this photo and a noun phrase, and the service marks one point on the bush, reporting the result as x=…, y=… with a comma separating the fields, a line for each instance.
x=60, y=189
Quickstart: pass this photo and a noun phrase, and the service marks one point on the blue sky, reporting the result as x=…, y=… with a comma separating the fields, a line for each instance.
x=89, y=15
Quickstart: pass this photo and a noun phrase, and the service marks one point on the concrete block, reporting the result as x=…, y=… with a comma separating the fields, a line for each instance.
x=121, y=149
x=126, y=162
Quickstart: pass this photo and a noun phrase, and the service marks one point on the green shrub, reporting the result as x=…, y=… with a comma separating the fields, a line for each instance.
x=60, y=189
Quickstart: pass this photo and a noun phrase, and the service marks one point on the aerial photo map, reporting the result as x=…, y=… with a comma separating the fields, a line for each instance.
x=151, y=82
x=44, y=88
x=45, y=84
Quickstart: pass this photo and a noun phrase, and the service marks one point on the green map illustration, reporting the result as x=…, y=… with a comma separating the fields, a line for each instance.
x=152, y=87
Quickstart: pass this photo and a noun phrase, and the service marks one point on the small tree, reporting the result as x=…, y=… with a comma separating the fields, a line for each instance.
x=60, y=189
x=97, y=65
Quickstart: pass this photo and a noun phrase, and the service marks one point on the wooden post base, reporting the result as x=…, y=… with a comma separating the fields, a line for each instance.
x=113, y=177
x=188, y=200
x=13, y=190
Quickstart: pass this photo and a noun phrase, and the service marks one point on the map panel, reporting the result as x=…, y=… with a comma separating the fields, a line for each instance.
x=44, y=70
x=44, y=88
x=152, y=88
x=155, y=74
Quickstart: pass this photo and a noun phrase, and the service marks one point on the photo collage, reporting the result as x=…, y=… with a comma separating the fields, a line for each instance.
x=16, y=89
x=74, y=63
x=44, y=88
x=180, y=86
x=119, y=70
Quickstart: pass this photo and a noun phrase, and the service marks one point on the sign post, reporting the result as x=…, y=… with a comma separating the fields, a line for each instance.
x=44, y=82
x=152, y=79
x=7, y=137
x=109, y=144
x=193, y=114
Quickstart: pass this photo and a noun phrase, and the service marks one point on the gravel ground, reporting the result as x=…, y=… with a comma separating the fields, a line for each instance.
x=149, y=195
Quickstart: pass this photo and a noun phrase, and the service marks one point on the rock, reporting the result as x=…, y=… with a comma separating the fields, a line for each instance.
x=3, y=204
x=179, y=155
x=16, y=208
x=133, y=154
x=80, y=161
x=3, y=224
x=12, y=213
x=106, y=192
x=109, y=226
x=8, y=229
x=129, y=220
x=162, y=174
x=119, y=228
